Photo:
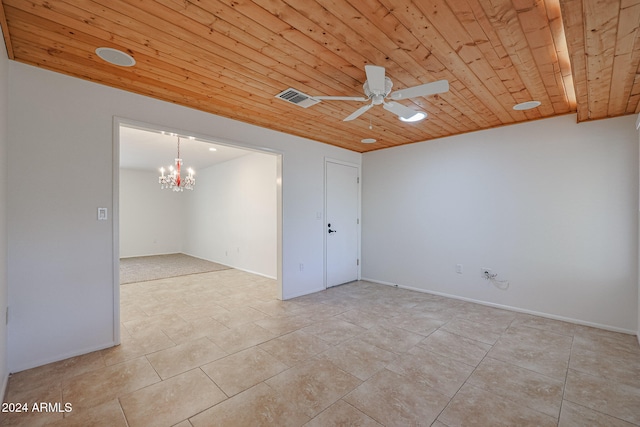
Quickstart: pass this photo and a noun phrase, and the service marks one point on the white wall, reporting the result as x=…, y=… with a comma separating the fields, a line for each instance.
x=151, y=221
x=549, y=205
x=4, y=373
x=231, y=215
x=61, y=258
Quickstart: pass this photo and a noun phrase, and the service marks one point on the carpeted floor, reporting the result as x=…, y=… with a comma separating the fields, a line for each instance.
x=142, y=269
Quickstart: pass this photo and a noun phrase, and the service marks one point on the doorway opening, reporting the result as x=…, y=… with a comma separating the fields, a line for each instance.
x=232, y=219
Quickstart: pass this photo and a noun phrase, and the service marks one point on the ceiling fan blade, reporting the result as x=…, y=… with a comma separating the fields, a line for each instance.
x=360, y=111
x=375, y=78
x=422, y=90
x=341, y=98
x=399, y=109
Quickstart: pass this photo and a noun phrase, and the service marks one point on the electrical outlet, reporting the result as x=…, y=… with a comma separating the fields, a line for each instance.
x=459, y=268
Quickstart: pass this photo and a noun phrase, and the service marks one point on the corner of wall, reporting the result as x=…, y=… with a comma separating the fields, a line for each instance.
x=4, y=281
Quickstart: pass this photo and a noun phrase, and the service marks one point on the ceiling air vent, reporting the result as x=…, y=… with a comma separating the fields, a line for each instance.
x=296, y=97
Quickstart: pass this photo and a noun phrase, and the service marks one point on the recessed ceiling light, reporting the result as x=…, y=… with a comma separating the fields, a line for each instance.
x=526, y=105
x=115, y=57
x=213, y=149
x=368, y=141
x=415, y=118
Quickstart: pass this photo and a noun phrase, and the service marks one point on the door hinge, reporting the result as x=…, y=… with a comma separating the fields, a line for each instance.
x=357, y=220
x=358, y=261
x=358, y=180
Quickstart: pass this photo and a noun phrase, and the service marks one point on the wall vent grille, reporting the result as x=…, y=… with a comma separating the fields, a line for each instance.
x=296, y=97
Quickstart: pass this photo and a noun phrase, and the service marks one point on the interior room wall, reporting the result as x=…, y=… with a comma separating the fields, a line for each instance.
x=151, y=221
x=61, y=274
x=4, y=374
x=551, y=206
x=231, y=217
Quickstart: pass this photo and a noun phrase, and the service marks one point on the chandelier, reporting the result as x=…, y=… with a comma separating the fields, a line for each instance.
x=173, y=180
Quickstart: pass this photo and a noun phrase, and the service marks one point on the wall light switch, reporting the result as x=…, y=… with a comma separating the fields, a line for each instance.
x=102, y=214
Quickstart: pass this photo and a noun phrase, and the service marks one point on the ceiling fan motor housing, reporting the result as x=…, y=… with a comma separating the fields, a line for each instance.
x=378, y=98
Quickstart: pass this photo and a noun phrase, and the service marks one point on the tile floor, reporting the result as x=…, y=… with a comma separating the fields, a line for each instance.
x=217, y=349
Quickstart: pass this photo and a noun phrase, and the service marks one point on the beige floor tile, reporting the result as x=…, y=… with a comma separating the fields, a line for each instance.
x=242, y=370
x=168, y=402
x=342, y=414
x=258, y=406
x=279, y=308
x=623, y=368
x=24, y=415
x=358, y=358
x=313, y=386
x=284, y=325
x=473, y=406
x=410, y=348
x=295, y=347
x=96, y=387
x=333, y=331
x=420, y=323
x=54, y=373
x=573, y=415
x=557, y=326
x=428, y=369
x=193, y=330
x=602, y=395
x=241, y=337
x=361, y=318
x=456, y=347
x=544, y=352
x=107, y=414
x=609, y=344
x=476, y=331
x=391, y=339
x=239, y=316
x=391, y=400
x=525, y=387
x=184, y=357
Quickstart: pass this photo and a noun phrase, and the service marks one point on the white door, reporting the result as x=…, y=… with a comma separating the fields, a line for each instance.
x=341, y=226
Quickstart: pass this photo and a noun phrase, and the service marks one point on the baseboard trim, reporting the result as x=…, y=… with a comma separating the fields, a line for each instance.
x=42, y=362
x=301, y=294
x=5, y=382
x=510, y=308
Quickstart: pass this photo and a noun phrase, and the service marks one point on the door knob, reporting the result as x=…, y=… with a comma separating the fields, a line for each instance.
x=332, y=231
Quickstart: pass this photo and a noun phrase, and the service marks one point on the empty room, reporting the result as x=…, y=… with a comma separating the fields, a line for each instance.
x=428, y=215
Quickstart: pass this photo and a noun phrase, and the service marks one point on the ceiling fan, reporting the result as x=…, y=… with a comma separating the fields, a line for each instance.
x=377, y=88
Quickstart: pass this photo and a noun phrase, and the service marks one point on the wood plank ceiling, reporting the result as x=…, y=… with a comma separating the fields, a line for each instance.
x=231, y=57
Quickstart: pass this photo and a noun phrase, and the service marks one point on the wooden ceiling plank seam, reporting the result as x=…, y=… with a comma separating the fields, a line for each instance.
x=5, y=32
x=413, y=19
x=633, y=105
x=574, y=30
x=626, y=58
x=505, y=20
x=319, y=57
x=535, y=22
x=180, y=52
x=556, y=25
x=243, y=50
x=169, y=64
x=601, y=21
x=160, y=93
x=176, y=54
x=319, y=14
x=449, y=27
x=475, y=112
x=490, y=46
x=446, y=121
x=289, y=55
